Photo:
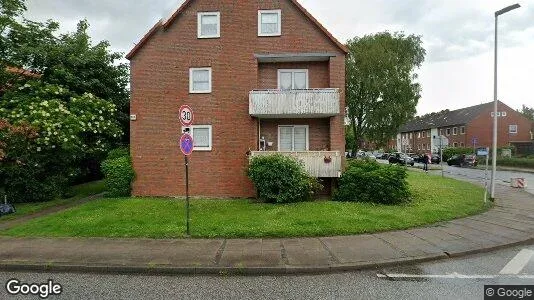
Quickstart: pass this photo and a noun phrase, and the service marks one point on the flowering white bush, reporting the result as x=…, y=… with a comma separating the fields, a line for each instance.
x=63, y=120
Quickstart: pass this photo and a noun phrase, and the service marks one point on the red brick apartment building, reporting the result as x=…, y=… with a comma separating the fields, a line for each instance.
x=466, y=127
x=261, y=76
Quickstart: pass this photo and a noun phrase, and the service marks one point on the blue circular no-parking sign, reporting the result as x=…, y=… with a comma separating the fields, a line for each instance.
x=186, y=144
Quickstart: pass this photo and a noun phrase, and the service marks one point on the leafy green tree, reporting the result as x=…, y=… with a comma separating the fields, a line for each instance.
x=382, y=92
x=528, y=112
x=65, y=128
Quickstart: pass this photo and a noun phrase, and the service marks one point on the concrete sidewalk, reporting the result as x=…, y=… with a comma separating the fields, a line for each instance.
x=510, y=222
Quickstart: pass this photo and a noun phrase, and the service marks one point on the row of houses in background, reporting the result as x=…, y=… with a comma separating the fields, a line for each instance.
x=467, y=127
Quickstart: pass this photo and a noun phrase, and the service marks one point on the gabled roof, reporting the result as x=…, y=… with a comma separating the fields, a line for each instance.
x=445, y=118
x=165, y=24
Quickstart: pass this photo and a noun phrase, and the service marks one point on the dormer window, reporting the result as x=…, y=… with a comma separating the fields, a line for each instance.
x=209, y=25
x=270, y=22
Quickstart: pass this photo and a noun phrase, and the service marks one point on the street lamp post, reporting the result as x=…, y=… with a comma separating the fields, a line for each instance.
x=495, y=102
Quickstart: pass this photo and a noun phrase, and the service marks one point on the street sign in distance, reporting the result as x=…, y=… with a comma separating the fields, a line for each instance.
x=186, y=115
x=441, y=140
x=186, y=144
x=482, y=151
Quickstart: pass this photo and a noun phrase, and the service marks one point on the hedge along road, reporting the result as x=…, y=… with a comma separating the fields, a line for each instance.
x=435, y=199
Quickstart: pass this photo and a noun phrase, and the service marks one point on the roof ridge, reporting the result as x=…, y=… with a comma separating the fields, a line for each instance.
x=165, y=24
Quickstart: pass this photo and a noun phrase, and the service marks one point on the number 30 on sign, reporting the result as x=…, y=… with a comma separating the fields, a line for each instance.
x=186, y=115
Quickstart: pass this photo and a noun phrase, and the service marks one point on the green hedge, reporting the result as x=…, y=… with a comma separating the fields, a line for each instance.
x=527, y=163
x=118, y=176
x=281, y=179
x=368, y=181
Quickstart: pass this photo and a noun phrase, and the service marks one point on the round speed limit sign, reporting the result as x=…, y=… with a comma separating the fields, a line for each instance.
x=186, y=115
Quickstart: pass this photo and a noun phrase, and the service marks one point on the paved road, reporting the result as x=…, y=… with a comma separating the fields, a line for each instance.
x=477, y=175
x=371, y=284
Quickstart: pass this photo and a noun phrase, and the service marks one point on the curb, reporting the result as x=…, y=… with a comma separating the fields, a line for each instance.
x=244, y=271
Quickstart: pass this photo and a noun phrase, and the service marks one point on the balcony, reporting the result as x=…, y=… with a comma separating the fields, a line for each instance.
x=310, y=103
x=319, y=164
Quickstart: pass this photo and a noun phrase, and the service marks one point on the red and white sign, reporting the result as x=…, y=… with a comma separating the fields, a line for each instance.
x=186, y=115
x=519, y=183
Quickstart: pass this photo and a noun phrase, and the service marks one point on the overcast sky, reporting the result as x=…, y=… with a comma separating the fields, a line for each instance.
x=458, y=36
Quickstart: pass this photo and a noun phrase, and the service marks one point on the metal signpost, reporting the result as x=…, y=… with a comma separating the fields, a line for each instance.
x=442, y=142
x=485, y=152
x=186, y=146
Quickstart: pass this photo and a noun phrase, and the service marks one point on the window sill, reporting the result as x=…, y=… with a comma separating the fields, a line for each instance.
x=270, y=35
x=200, y=92
x=209, y=37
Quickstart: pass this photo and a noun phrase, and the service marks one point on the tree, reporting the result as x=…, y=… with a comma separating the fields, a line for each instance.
x=382, y=92
x=45, y=131
x=528, y=112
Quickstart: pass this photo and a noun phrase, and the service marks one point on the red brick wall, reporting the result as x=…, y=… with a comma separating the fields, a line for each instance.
x=482, y=127
x=160, y=84
x=319, y=132
x=460, y=139
x=318, y=76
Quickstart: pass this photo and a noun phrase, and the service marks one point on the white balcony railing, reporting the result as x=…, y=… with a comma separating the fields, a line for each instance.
x=319, y=164
x=309, y=103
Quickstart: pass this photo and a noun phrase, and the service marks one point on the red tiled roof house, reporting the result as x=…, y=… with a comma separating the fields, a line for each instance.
x=261, y=77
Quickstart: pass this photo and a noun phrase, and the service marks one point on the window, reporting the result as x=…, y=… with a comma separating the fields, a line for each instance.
x=455, y=145
x=411, y=135
x=441, y=132
x=448, y=131
x=202, y=137
x=292, y=79
x=504, y=114
x=424, y=146
x=419, y=135
x=418, y=147
x=269, y=22
x=492, y=114
x=209, y=25
x=462, y=130
x=423, y=134
x=293, y=138
x=427, y=146
x=455, y=131
x=512, y=128
x=462, y=145
x=200, y=80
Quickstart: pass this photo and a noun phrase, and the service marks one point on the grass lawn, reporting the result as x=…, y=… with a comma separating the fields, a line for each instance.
x=80, y=191
x=435, y=199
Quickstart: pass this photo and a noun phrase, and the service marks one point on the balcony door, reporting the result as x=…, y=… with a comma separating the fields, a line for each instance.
x=293, y=138
x=295, y=79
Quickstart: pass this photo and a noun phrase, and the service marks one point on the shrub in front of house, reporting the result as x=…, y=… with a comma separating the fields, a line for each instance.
x=368, y=181
x=118, y=175
x=281, y=179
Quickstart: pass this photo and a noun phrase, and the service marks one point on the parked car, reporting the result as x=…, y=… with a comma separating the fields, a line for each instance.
x=463, y=161
x=436, y=159
x=401, y=159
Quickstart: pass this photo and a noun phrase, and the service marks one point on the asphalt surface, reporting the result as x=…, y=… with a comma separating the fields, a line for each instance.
x=369, y=284
x=478, y=176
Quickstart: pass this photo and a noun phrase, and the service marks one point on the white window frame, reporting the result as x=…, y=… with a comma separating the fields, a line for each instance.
x=199, y=25
x=448, y=132
x=210, y=137
x=504, y=114
x=424, y=134
x=510, y=129
x=295, y=126
x=293, y=71
x=191, y=71
x=462, y=130
x=455, y=131
x=273, y=11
